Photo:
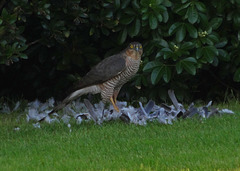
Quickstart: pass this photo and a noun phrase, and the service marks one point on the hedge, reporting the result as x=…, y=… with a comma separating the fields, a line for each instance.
x=190, y=46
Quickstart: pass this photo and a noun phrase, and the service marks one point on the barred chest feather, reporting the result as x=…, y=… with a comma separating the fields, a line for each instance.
x=130, y=71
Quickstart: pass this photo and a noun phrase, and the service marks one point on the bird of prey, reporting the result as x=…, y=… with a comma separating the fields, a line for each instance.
x=108, y=76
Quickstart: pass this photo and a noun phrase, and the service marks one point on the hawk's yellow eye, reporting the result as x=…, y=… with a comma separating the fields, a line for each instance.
x=131, y=46
x=140, y=46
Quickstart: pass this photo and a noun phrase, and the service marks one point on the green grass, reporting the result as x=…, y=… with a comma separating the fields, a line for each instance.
x=187, y=144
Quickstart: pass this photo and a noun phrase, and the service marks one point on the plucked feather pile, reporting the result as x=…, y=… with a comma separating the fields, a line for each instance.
x=164, y=114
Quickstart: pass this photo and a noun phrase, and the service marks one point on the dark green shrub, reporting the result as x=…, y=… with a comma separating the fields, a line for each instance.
x=190, y=46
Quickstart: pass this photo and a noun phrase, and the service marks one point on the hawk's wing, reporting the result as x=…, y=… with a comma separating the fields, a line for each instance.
x=103, y=71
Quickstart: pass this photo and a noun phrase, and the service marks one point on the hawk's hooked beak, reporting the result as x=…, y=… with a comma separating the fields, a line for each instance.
x=137, y=48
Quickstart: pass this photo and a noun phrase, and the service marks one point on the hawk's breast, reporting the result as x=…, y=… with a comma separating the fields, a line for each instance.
x=132, y=67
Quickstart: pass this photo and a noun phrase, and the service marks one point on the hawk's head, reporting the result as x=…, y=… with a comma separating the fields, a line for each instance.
x=135, y=50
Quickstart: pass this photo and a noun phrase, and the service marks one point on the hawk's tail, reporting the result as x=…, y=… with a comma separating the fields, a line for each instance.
x=76, y=94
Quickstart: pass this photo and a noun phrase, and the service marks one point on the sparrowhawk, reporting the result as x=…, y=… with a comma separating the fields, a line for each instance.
x=108, y=76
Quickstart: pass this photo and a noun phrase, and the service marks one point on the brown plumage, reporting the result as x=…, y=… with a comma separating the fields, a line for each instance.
x=108, y=76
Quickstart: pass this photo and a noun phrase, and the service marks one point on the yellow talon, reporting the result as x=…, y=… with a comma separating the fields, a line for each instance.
x=114, y=105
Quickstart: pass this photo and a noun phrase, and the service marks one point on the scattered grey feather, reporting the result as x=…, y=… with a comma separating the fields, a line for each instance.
x=65, y=118
x=5, y=109
x=149, y=106
x=142, y=110
x=164, y=113
x=16, y=129
x=124, y=117
x=173, y=98
x=79, y=120
x=91, y=110
x=36, y=125
x=227, y=111
x=16, y=106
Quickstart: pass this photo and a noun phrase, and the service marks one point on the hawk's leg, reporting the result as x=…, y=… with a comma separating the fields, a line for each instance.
x=114, y=104
x=115, y=94
x=108, y=93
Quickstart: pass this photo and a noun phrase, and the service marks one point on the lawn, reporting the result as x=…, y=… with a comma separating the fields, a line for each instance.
x=189, y=144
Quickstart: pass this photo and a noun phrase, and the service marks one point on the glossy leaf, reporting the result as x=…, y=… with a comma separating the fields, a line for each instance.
x=209, y=53
x=105, y=31
x=173, y=28
x=144, y=10
x=236, y=76
x=48, y=17
x=151, y=65
x=167, y=74
x=199, y=53
x=158, y=2
x=207, y=41
x=125, y=3
x=157, y=74
x=163, y=43
x=4, y=13
x=145, y=16
x=200, y=6
x=236, y=19
x=190, y=59
x=179, y=68
x=192, y=30
x=23, y=56
x=126, y=20
x=12, y=19
x=187, y=46
x=117, y=3
x=223, y=55
x=167, y=53
x=135, y=4
x=153, y=22
x=47, y=5
x=165, y=16
x=167, y=3
x=144, y=3
x=135, y=28
x=188, y=66
x=222, y=43
x=181, y=33
x=216, y=22
x=192, y=14
x=159, y=17
x=182, y=7
x=122, y=36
